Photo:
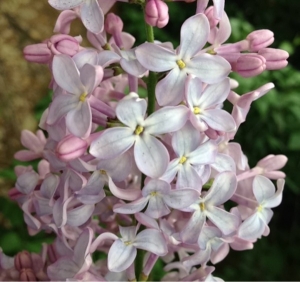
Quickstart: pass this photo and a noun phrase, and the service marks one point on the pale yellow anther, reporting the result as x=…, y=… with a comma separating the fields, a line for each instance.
x=182, y=160
x=197, y=110
x=102, y=171
x=211, y=52
x=181, y=64
x=82, y=97
x=260, y=208
x=153, y=194
x=202, y=206
x=127, y=243
x=139, y=129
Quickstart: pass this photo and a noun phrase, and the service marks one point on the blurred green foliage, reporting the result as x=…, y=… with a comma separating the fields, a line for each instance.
x=272, y=127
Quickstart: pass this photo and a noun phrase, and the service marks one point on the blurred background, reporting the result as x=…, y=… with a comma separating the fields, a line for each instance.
x=272, y=126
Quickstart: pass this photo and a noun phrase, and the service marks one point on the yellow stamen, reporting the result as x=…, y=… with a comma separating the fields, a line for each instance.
x=202, y=206
x=127, y=243
x=182, y=160
x=260, y=208
x=211, y=52
x=197, y=110
x=102, y=171
x=181, y=64
x=82, y=97
x=139, y=129
x=153, y=194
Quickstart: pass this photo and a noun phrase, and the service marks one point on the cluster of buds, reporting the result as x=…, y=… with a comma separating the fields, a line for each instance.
x=136, y=179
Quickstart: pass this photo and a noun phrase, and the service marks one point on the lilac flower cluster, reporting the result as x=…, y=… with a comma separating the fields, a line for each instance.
x=119, y=173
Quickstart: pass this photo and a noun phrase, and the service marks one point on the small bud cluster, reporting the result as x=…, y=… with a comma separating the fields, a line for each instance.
x=119, y=173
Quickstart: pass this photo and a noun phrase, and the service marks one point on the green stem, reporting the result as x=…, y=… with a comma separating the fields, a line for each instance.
x=152, y=79
x=139, y=263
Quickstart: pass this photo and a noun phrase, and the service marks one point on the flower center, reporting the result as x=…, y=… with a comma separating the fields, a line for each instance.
x=182, y=160
x=139, y=129
x=127, y=243
x=181, y=64
x=102, y=171
x=197, y=110
x=82, y=97
x=260, y=208
x=202, y=206
x=153, y=194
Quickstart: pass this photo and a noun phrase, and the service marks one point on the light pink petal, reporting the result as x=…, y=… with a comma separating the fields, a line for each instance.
x=266, y=215
x=193, y=91
x=185, y=140
x=30, y=140
x=204, y=154
x=64, y=5
x=25, y=155
x=66, y=74
x=146, y=220
x=62, y=269
x=215, y=94
x=131, y=208
x=92, y=16
x=112, y=143
x=151, y=240
x=61, y=105
x=193, y=36
x=224, y=28
x=124, y=194
x=222, y=189
x=86, y=56
x=219, y=120
x=179, y=199
x=156, y=58
x=118, y=168
x=60, y=212
x=27, y=182
x=276, y=199
x=166, y=120
x=49, y=186
x=131, y=112
x=91, y=76
x=151, y=156
x=209, y=68
x=263, y=188
x=252, y=228
x=171, y=171
x=157, y=207
x=79, y=215
x=191, y=230
x=79, y=120
x=105, y=58
x=224, y=163
x=170, y=90
x=219, y=8
x=188, y=178
x=82, y=246
x=120, y=256
x=225, y=221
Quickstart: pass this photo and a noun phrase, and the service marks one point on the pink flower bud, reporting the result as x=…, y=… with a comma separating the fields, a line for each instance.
x=70, y=148
x=250, y=65
x=114, y=26
x=157, y=13
x=27, y=274
x=63, y=44
x=113, y=23
x=209, y=13
x=275, y=58
x=23, y=260
x=260, y=39
x=37, y=53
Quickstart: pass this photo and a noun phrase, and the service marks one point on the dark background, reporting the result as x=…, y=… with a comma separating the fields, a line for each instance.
x=272, y=126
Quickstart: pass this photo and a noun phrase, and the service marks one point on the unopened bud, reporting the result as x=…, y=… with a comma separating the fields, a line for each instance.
x=114, y=26
x=275, y=58
x=71, y=147
x=37, y=53
x=23, y=260
x=156, y=13
x=250, y=65
x=63, y=44
x=27, y=274
x=259, y=39
x=209, y=13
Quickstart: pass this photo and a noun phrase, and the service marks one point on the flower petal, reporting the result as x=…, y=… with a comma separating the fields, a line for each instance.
x=193, y=36
x=219, y=120
x=112, y=143
x=263, y=188
x=252, y=228
x=156, y=58
x=79, y=215
x=151, y=156
x=92, y=16
x=64, y=5
x=209, y=68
